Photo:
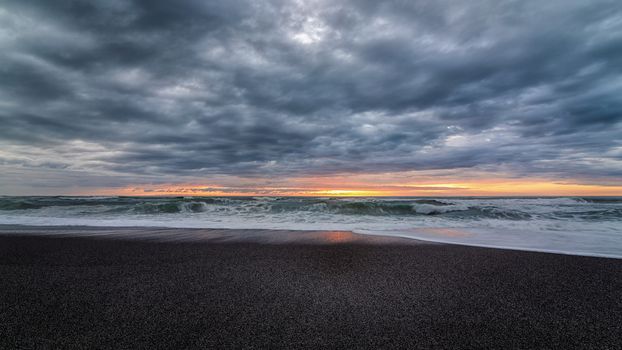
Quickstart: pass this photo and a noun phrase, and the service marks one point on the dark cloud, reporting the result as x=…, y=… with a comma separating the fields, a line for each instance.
x=159, y=89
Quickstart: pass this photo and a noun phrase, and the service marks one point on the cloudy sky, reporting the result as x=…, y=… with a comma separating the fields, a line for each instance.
x=299, y=97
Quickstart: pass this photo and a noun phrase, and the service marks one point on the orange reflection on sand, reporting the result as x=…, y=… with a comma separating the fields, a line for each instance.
x=337, y=236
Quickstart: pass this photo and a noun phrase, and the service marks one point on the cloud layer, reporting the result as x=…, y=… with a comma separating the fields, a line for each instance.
x=118, y=92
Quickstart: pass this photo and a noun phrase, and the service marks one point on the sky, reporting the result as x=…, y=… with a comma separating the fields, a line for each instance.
x=275, y=97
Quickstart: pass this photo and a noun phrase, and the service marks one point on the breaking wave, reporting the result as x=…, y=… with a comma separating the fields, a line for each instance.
x=505, y=208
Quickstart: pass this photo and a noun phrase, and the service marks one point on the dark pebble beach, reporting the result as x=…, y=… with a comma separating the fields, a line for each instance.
x=178, y=289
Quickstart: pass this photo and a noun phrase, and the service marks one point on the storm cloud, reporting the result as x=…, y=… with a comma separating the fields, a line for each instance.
x=153, y=91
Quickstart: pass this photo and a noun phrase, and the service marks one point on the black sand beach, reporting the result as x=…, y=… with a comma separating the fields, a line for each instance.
x=320, y=290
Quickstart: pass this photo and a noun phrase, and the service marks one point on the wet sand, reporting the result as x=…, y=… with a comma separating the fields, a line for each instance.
x=164, y=288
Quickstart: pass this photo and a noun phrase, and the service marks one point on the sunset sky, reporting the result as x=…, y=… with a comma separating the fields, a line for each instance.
x=272, y=97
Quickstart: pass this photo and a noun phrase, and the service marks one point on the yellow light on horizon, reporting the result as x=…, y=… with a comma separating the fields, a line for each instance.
x=392, y=187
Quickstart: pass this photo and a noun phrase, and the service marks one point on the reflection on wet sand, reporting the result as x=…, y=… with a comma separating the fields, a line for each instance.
x=208, y=235
x=337, y=236
x=447, y=232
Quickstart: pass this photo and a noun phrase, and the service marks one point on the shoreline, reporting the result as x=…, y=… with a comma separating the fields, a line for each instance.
x=208, y=235
x=267, y=236
x=80, y=292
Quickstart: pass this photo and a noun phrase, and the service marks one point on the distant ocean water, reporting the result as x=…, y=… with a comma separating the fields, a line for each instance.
x=574, y=225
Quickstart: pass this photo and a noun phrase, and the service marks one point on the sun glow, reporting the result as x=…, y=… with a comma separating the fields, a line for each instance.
x=370, y=186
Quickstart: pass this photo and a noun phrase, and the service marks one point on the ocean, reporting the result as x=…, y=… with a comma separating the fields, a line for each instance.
x=571, y=225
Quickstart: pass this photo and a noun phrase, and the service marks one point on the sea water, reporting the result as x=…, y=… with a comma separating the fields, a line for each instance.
x=573, y=225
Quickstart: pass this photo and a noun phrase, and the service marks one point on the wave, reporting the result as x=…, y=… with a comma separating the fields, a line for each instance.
x=563, y=208
x=611, y=200
x=138, y=204
x=18, y=205
x=388, y=208
x=158, y=208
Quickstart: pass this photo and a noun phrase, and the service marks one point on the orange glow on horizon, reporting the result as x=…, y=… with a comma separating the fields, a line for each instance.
x=340, y=187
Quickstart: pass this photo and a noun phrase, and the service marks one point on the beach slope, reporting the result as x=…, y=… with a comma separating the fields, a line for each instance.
x=326, y=289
